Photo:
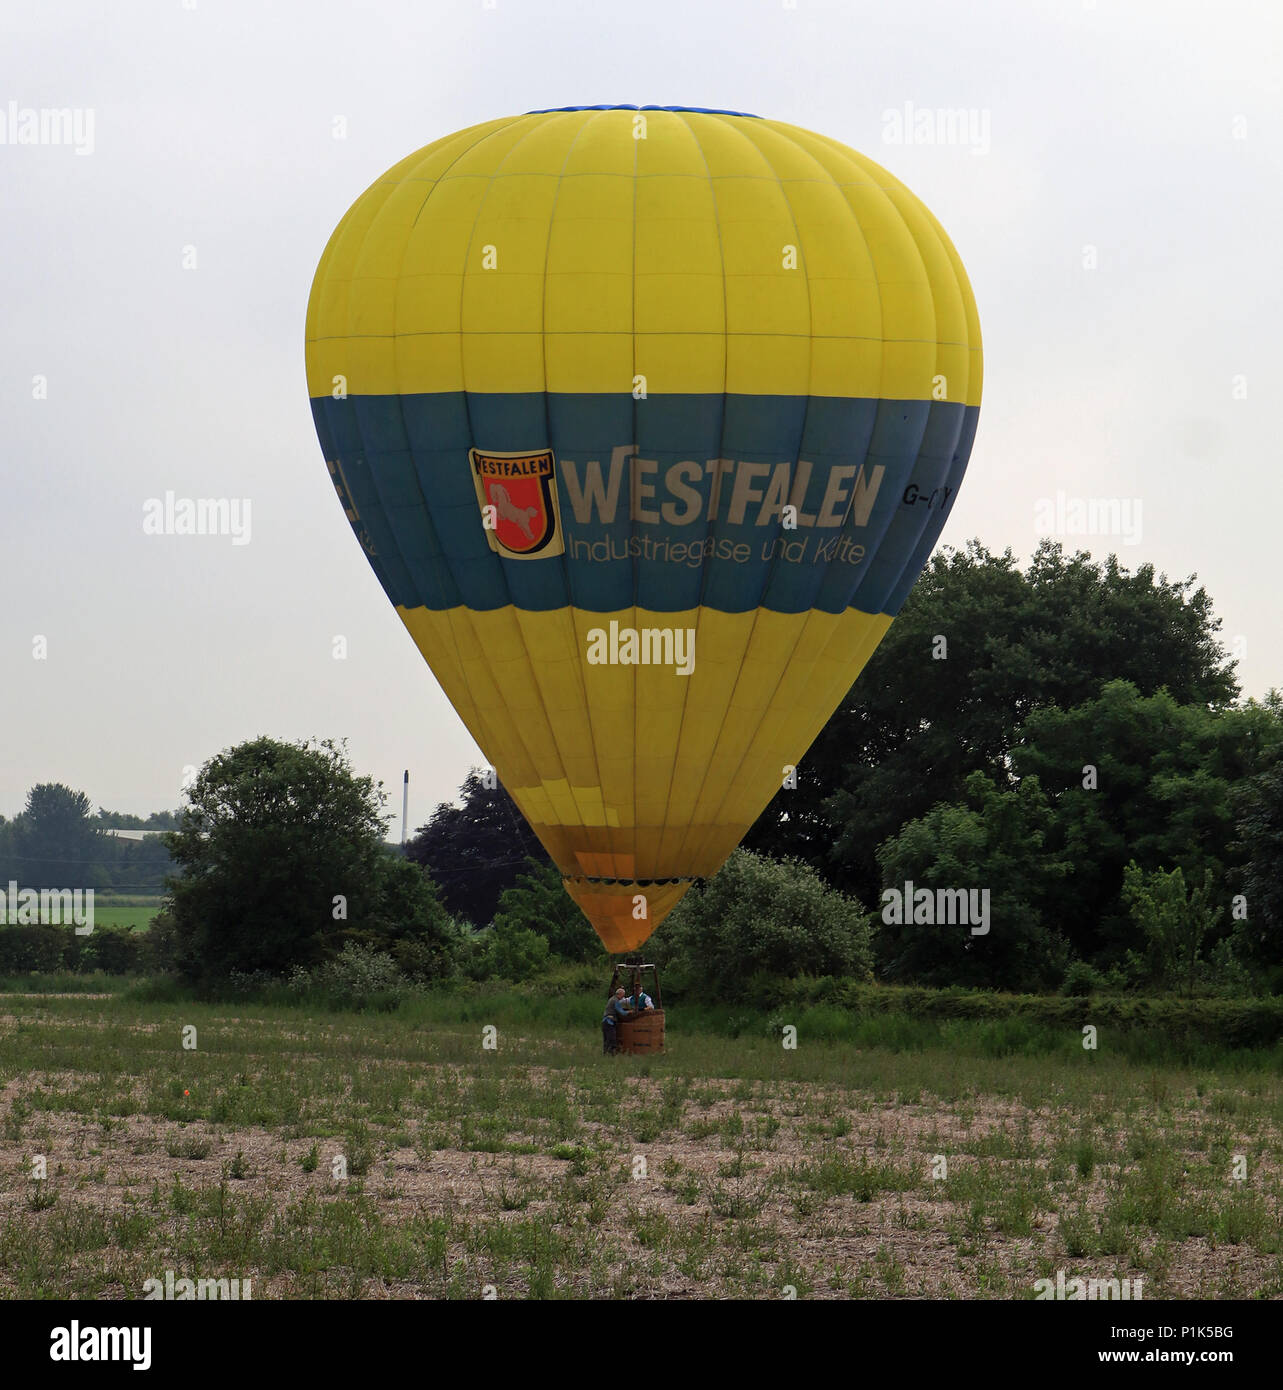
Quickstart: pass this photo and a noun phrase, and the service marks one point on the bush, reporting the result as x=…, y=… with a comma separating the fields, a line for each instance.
x=539, y=903
x=409, y=910
x=1174, y=923
x=758, y=923
x=514, y=953
x=1179, y=1025
x=358, y=978
x=428, y=960
x=114, y=951
x=244, y=986
x=996, y=837
x=1081, y=980
x=27, y=949
x=46, y=949
x=160, y=946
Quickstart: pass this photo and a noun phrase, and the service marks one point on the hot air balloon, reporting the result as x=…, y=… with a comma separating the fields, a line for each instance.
x=646, y=418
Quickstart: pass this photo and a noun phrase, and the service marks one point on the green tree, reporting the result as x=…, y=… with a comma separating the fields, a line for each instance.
x=1259, y=810
x=925, y=714
x=477, y=849
x=1174, y=923
x=1144, y=778
x=282, y=858
x=758, y=917
x=55, y=844
x=410, y=921
x=537, y=902
x=996, y=841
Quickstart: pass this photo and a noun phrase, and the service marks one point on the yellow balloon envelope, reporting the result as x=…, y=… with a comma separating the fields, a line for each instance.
x=647, y=420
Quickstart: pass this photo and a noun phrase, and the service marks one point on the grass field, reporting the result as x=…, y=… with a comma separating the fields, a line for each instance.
x=729, y=1167
x=135, y=914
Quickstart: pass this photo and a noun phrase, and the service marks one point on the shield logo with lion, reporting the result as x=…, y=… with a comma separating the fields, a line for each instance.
x=517, y=494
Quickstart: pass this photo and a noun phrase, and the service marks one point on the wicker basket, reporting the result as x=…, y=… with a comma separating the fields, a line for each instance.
x=644, y=1033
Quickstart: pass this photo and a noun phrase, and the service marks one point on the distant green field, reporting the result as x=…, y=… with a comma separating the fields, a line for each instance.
x=131, y=914
x=134, y=914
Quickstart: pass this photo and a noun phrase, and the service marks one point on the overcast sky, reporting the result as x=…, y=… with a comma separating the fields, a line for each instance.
x=1147, y=131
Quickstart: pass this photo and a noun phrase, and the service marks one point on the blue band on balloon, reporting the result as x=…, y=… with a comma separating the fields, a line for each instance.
x=402, y=464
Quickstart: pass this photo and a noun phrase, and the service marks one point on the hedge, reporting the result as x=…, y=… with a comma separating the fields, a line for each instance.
x=1232, y=1022
x=49, y=949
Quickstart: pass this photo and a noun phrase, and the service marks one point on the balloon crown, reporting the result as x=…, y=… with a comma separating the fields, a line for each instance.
x=622, y=106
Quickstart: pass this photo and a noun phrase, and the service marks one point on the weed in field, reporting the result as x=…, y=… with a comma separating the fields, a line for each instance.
x=841, y=1176
x=43, y=1195
x=737, y=1198
x=190, y=1146
x=1085, y=1159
